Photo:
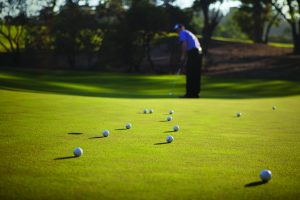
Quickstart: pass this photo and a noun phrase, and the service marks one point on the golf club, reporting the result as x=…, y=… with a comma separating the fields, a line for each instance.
x=175, y=81
x=176, y=78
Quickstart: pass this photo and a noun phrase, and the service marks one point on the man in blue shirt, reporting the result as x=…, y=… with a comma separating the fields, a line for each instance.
x=190, y=48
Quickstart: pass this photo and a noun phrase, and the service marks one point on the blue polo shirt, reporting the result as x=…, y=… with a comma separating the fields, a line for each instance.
x=190, y=39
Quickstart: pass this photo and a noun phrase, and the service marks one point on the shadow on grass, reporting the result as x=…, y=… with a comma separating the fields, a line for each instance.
x=169, y=131
x=256, y=183
x=160, y=143
x=97, y=137
x=75, y=133
x=163, y=121
x=121, y=129
x=64, y=158
x=138, y=86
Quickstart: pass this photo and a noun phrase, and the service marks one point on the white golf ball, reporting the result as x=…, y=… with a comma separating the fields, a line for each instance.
x=176, y=128
x=145, y=111
x=274, y=107
x=171, y=112
x=128, y=125
x=78, y=152
x=238, y=114
x=265, y=175
x=169, y=139
x=151, y=111
x=105, y=133
x=169, y=118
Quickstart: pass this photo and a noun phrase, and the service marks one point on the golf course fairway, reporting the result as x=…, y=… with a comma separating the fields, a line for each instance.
x=214, y=155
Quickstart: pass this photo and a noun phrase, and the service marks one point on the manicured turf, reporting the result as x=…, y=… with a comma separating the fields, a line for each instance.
x=215, y=155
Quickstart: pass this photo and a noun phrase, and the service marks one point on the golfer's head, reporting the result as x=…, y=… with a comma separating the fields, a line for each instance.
x=178, y=27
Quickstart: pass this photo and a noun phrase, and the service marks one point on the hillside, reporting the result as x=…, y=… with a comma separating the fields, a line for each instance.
x=251, y=60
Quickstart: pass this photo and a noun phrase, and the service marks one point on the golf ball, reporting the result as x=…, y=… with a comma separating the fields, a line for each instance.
x=171, y=112
x=265, y=175
x=238, y=114
x=128, y=125
x=176, y=128
x=105, y=133
x=78, y=152
x=145, y=111
x=151, y=111
x=169, y=118
x=169, y=139
x=274, y=107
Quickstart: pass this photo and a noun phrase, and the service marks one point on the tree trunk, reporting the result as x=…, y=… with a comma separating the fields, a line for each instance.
x=16, y=58
x=269, y=26
x=294, y=23
x=72, y=60
x=148, y=50
x=257, y=14
x=297, y=45
x=296, y=41
x=205, y=31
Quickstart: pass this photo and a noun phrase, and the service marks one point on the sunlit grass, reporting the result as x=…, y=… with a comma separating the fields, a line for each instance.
x=43, y=117
x=282, y=45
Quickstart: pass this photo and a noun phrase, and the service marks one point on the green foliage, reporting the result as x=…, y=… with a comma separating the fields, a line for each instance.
x=74, y=30
x=131, y=40
x=211, y=18
x=177, y=15
x=257, y=14
x=38, y=38
x=229, y=28
x=290, y=11
x=146, y=18
x=11, y=30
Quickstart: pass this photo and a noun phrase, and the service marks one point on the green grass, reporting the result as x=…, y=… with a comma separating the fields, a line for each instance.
x=43, y=117
x=282, y=45
x=233, y=40
x=275, y=44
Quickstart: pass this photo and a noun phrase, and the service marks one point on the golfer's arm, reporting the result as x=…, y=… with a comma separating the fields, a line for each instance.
x=183, y=50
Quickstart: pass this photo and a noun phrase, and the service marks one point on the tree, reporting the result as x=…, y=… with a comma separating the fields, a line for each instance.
x=177, y=15
x=12, y=25
x=274, y=20
x=290, y=11
x=259, y=17
x=38, y=36
x=212, y=17
x=73, y=30
x=229, y=28
x=130, y=36
x=116, y=40
x=146, y=20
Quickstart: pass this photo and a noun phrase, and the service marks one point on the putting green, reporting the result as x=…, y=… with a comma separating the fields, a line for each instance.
x=214, y=155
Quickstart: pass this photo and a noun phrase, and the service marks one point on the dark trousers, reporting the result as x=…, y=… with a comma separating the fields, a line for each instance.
x=193, y=73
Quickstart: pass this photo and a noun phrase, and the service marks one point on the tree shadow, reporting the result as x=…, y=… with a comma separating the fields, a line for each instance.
x=64, y=158
x=163, y=121
x=97, y=137
x=75, y=133
x=255, y=183
x=137, y=86
x=121, y=129
x=160, y=143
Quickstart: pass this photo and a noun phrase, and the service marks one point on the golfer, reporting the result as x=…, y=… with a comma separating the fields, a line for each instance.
x=192, y=51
